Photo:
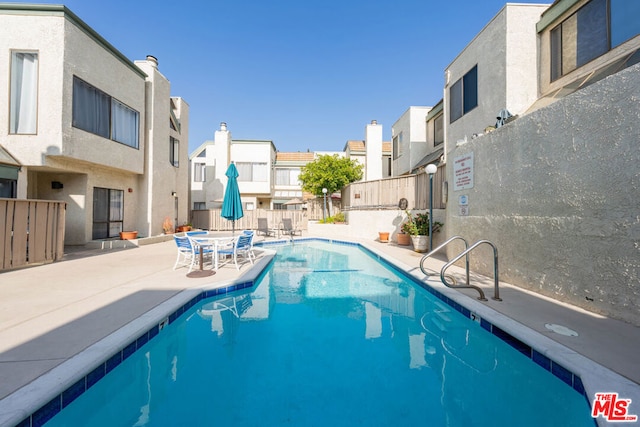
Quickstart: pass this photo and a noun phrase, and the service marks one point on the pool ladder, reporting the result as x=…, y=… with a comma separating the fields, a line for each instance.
x=465, y=253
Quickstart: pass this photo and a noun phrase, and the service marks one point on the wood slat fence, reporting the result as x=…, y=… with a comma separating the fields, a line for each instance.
x=31, y=232
x=210, y=219
x=386, y=193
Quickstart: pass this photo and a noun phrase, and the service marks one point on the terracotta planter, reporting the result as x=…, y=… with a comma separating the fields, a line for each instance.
x=183, y=228
x=403, y=239
x=128, y=235
x=384, y=236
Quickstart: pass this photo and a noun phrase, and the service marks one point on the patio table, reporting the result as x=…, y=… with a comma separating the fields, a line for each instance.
x=210, y=241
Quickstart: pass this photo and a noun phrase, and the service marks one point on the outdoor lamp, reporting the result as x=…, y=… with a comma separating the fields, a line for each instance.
x=324, y=206
x=431, y=169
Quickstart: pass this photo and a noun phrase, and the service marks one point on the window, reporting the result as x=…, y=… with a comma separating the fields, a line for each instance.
x=199, y=172
x=108, y=212
x=591, y=32
x=124, y=124
x=199, y=206
x=438, y=130
x=255, y=172
x=624, y=20
x=174, y=151
x=397, y=146
x=463, y=95
x=285, y=176
x=24, y=93
x=96, y=112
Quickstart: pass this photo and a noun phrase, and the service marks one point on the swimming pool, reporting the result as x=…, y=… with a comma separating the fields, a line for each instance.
x=328, y=336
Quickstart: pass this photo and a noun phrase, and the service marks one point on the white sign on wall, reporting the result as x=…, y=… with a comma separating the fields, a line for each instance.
x=463, y=172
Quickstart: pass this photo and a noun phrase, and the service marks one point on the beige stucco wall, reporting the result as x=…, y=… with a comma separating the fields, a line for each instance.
x=45, y=36
x=162, y=179
x=557, y=191
x=101, y=69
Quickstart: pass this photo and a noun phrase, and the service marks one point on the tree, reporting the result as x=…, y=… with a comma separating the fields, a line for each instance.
x=330, y=172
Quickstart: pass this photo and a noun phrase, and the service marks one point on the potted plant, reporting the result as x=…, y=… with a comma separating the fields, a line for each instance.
x=167, y=225
x=418, y=228
x=182, y=228
x=384, y=236
x=128, y=235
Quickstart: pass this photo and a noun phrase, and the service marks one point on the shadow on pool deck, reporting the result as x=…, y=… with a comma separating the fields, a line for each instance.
x=52, y=312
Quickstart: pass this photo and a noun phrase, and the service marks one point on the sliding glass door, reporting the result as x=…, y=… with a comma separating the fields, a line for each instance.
x=108, y=212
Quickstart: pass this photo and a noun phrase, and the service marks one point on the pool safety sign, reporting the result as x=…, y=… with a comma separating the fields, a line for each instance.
x=463, y=205
x=463, y=172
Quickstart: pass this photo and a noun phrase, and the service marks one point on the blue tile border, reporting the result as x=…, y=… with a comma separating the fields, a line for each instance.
x=546, y=363
x=55, y=405
x=61, y=401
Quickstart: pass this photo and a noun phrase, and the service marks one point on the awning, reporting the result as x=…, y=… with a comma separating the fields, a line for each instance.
x=9, y=166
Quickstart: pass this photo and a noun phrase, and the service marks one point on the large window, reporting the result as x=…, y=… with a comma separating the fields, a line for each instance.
x=108, y=212
x=463, y=95
x=591, y=32
x=96, y=112
x=254, y=172
x=199, y=172
x=287, y=176
x=23, y=104
x=174, y=151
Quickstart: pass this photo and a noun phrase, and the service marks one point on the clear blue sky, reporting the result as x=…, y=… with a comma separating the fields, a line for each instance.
x=304, y=74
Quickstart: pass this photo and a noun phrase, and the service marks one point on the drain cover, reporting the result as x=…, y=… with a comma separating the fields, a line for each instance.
x=562, y=330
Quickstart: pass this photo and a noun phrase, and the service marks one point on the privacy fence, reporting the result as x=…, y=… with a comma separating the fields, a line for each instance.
x=387, y=193
x=31, y=232
x=210, y=219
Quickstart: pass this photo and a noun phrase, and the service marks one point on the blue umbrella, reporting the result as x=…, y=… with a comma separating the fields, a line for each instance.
x=231, y=204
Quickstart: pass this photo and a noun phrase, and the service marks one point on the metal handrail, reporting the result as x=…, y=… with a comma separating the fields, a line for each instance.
x=466, y=246
x=496, y=291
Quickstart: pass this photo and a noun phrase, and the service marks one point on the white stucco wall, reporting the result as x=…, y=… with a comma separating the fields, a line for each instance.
x=254, y=152
x=557, y=191
x=373, y=151
x=505, y=53
x=412, y=124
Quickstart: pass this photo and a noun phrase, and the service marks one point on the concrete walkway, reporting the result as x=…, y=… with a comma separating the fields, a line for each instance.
x=50, y=313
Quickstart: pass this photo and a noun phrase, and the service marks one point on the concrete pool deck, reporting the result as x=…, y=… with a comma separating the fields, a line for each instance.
x=50, y=313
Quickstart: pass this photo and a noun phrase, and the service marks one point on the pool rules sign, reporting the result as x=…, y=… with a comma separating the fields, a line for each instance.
x=463, y=172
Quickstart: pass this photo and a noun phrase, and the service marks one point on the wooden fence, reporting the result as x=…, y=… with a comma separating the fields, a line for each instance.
x=210, y=219
x=31, y=232
x=386, y=193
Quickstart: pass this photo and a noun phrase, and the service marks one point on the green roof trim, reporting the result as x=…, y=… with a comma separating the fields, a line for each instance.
x=555, y=11
x=437, y=109
x=60, y=10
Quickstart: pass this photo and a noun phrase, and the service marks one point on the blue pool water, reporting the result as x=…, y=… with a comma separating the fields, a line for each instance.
x=327, y=337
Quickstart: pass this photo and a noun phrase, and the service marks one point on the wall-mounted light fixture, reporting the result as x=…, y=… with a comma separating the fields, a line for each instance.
x=174, y=194
x=130, y=190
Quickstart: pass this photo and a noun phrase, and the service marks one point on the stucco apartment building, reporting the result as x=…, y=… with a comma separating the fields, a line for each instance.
x=81, y=123
x=556, y=188
x=268, y=179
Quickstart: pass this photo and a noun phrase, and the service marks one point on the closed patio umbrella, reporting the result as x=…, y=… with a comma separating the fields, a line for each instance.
x=232, y=205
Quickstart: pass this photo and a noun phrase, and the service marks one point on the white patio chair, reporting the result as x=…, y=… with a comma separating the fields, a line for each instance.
x=188, y=253
x=241, y=248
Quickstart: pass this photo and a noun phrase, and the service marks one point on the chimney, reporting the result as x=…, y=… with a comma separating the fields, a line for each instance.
x=223, y=126
x=153, y=60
